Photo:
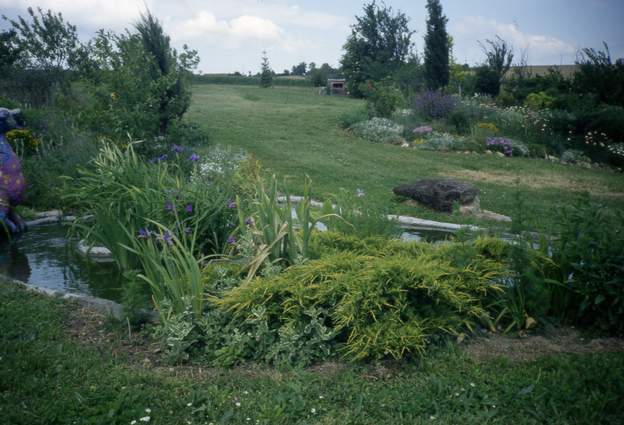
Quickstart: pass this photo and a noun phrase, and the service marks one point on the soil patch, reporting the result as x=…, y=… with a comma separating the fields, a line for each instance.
x=536, y=181
x=86, y=325
x=559, y=341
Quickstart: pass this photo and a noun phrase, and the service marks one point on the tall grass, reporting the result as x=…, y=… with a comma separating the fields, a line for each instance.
x=171, y=270
x=280, y=237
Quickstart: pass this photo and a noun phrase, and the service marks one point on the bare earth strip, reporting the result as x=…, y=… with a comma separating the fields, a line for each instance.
x=537, y=181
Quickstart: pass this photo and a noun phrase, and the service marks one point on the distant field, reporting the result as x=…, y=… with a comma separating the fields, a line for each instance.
x=295, y=132
x=565, y=70
x=243, y=80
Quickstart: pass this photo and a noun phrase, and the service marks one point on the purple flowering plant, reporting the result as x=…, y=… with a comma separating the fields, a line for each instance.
x=423, y=130
x=434, y=104
x=500, y=143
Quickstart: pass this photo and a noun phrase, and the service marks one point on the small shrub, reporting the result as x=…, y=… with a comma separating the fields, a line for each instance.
x=541, y=100
x=383, y=99
x=44, y=170
x=379, y=130
x=507, y=146
x=443, y=142
x=460, y=120
x=505, y=99
x=617, y=150
x=353, y=116
x=590, y=255
x=488, y=81
x=434, y=105
x=606, y=119
x=187, y=134
x=373, y=307
x=574, y=156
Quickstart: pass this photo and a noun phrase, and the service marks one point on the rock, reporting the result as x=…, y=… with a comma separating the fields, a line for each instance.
x=489, y=152
x=439, y=194
x=490, y=215
x=472, y=208
x=502, y=155
x=405, y=145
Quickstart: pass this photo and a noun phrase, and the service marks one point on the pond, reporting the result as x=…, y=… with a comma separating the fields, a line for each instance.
x=423, y=234
x=45, y=257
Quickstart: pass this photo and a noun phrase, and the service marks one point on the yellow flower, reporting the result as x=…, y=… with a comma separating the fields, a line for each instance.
x=488, y=126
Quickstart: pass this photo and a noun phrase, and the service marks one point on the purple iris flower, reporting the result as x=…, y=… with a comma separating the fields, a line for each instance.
x=144, y=233
x=167, y=238
x=169, y=206
x=231, y=204
x=231, y=240
x=194, y=157
x=189, y=208
x=249, y=221
x=162, y=157
x=177, y=148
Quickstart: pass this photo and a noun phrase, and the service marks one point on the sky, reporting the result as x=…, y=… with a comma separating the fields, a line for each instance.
x=230, y=35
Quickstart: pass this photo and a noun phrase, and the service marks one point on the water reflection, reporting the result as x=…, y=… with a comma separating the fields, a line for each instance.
x=15, y=264
x=44, y=256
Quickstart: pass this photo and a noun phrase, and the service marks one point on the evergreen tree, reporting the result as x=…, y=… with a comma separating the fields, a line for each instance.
x=173, y=95
x=266, y=73
x=436, y=47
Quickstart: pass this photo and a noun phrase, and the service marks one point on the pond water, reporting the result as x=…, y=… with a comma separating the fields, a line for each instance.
x=45, y=257
x=425, y=234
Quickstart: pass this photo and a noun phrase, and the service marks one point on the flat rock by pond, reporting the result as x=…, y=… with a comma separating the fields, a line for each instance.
x=439, y=194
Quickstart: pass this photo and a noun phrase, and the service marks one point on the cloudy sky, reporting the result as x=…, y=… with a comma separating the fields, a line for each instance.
x=231, y=34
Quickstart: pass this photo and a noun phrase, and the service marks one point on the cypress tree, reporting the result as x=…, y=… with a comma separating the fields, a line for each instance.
x=266, y=73
x=436, y=47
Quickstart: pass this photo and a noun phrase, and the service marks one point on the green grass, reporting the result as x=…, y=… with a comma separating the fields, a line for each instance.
x=47, y=377
x=295, y=132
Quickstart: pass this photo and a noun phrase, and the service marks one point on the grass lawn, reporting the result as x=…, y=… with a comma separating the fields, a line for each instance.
x=59, y=365
x=295, y=132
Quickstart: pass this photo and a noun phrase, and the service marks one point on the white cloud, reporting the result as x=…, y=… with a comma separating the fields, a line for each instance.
x=234, y=31
x=205, y=23
x=115, y=14
x=541, y=49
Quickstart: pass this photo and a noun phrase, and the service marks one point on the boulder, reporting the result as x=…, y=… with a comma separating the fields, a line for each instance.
x=439, y=194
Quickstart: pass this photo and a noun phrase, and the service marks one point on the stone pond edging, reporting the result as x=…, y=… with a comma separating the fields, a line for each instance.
x=403, y=220
x=98, y=254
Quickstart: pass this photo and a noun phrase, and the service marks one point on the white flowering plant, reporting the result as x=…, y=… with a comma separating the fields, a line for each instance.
x=379, y=130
